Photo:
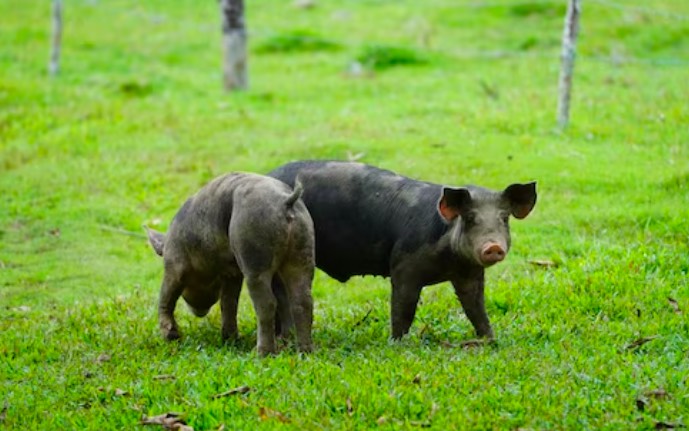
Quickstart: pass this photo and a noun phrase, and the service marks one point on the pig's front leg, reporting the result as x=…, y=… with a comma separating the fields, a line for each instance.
x=170, y=292
x=405, y=297
x=469, y=290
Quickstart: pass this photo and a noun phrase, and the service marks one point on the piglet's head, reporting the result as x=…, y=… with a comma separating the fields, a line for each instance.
x=480, y=219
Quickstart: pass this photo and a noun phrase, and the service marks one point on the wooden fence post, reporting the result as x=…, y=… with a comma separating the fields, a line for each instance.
x=56, y=39
x=234, y=45
x=569, y=42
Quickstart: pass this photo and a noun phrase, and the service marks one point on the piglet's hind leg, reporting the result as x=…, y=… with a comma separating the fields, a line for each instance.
x=265, y=305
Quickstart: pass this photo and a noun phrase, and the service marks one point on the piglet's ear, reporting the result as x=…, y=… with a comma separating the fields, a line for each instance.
x=522, y=198
x=453, y=202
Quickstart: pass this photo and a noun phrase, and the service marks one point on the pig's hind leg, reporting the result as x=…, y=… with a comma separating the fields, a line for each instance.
x=265, y=306
x=284, y=322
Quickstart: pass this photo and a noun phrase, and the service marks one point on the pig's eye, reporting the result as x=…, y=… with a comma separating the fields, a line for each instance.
x=505, y=218
x=469, y=219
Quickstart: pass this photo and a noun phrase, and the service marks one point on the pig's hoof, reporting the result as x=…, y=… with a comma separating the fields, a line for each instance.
x=266, y=351
x=489, y=338
x=487, y=334
x=171, y=335
x=230, y=337
x=306, y=348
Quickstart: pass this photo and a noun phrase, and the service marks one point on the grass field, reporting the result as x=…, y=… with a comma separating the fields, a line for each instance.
x=453, y=92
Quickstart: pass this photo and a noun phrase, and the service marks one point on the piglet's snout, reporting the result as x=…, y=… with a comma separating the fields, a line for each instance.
x=492, y=253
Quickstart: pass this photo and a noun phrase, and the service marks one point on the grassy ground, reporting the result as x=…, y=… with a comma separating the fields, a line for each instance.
x=136, y=122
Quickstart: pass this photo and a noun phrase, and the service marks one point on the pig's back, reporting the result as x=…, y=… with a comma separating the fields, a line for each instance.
x=361, y=213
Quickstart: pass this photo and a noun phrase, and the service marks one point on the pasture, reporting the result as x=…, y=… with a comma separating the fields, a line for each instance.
x=589, y=309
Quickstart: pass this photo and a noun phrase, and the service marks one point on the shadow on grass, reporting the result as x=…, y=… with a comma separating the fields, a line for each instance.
x=356, y=331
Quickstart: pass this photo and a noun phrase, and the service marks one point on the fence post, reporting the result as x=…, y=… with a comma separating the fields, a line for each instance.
x=56, y=39
x=569, y=42
x=234, y=45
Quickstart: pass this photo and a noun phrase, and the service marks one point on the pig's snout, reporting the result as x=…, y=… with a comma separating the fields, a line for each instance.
x=492, y=253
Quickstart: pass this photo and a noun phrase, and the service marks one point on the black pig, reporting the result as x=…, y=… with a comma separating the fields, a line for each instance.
x=372, y=221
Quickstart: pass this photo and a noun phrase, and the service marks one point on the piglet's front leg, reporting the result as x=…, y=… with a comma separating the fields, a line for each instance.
x=170, y=291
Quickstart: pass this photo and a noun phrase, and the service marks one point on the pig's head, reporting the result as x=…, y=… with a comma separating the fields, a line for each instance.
x=480, y=219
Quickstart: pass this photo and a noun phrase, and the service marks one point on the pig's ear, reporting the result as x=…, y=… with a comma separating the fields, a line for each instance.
x=453, y=202
x=522, y=198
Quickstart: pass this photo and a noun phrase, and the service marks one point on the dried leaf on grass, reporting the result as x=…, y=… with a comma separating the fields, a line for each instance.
x=120, y=392
x=171, y=421
x=417, y=379
x=265, y=413
x=235, y=391
x=350, y=408
x=103, y=357
x=659, y=393
x=478, y=342
x=642, y=400
x=544, y=263
x=674, y=305
x=3, y=413
x=164, y=377
x=639, y=342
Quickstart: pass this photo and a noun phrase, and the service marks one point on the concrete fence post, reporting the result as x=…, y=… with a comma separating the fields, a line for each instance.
x=234, y=43
x=569, y=41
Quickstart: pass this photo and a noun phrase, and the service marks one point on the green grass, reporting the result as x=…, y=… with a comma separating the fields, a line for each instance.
x=296, y=41
x=137, y=121
x=378, y=57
